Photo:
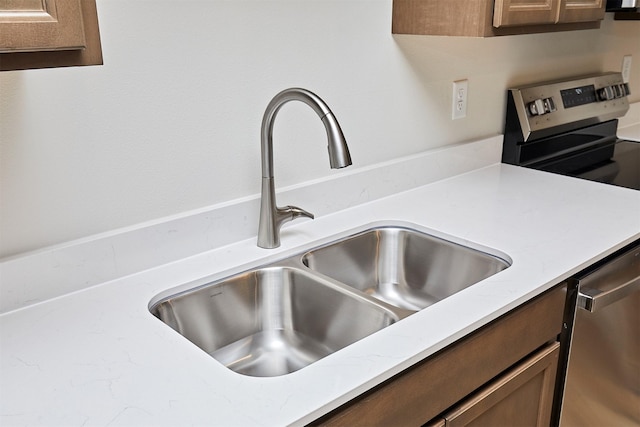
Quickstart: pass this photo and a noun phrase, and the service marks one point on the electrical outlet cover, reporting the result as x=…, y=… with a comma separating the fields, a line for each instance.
x=459, y=99
x=626, y=68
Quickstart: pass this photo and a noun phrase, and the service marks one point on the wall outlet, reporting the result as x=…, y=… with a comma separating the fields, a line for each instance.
x=459, y=99
x=626, y=68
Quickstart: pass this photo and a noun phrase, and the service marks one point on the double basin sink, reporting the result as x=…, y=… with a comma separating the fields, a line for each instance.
x=277, y=318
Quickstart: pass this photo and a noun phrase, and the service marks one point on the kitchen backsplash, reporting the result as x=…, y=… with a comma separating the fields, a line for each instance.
x=170, y=123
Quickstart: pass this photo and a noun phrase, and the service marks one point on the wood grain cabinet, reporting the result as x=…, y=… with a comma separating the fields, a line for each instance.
x=48, y=33
x=531, y=12
x=525, y=12
x=503, y=374
x=486, y=18
x=581, y=10
x=522, y=396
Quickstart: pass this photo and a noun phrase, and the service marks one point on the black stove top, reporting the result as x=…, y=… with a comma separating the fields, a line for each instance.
x=615, y=164
x=622, y=169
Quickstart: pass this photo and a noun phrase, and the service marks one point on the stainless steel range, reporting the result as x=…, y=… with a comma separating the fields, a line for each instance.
x=569, y=127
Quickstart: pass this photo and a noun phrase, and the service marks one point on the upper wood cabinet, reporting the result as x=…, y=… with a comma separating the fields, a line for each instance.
x=486, y=18
x=581, y=10
x=525, y=12
x=48, y=33
x=529, y=12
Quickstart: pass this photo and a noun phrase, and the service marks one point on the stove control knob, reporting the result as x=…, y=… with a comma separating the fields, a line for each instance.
x=627, y=91
x=606, y=93
x=622, y=90
x=541, y=106
x=618, y=91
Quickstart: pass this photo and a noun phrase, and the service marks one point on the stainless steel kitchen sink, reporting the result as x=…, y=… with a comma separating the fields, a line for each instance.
x=274, y=320
x=402, y=266
x=277, y=318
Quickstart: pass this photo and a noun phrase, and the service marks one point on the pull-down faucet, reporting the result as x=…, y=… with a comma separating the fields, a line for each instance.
x=271, y=216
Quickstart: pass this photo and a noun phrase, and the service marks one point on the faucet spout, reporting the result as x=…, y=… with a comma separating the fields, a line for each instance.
x=271, y=216
x=339, y=156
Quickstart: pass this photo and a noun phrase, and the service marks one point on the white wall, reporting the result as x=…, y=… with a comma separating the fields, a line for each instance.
x=171, y=122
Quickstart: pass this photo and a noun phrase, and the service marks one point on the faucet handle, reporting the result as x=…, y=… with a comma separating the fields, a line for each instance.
x=296, y=212
x=269, y=229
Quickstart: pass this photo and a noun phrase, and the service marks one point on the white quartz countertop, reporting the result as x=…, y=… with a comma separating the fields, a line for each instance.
x=98, y=357
x=630, y=133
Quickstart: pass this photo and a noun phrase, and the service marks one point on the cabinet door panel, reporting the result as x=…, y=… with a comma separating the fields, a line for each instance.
x=582, y=10
x=41, y=25
x=48, y=33
x=524, y=12
x=522, y=396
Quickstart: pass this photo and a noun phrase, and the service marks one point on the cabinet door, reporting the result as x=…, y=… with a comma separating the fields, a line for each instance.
x=34, y=25
x=581, y=10
x=509, y=13
x=522, y=396
x=48, y=33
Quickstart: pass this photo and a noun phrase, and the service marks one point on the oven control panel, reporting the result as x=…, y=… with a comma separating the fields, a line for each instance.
x=546, y=108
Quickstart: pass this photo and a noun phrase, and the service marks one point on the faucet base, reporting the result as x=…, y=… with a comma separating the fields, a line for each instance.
x=272, y=217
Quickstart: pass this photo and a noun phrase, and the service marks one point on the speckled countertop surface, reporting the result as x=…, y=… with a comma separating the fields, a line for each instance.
x=98, y=357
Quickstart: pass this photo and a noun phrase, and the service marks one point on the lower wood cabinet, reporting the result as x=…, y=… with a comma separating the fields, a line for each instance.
x=502, y=374
x=522, y=396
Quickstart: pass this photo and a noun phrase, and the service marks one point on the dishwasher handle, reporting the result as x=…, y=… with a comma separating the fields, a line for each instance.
x=592, y=299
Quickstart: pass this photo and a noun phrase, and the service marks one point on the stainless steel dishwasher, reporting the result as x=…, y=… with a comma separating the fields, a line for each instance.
x=602, y=385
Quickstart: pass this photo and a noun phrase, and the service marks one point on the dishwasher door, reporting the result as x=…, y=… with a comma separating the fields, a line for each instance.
x=603, y=376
